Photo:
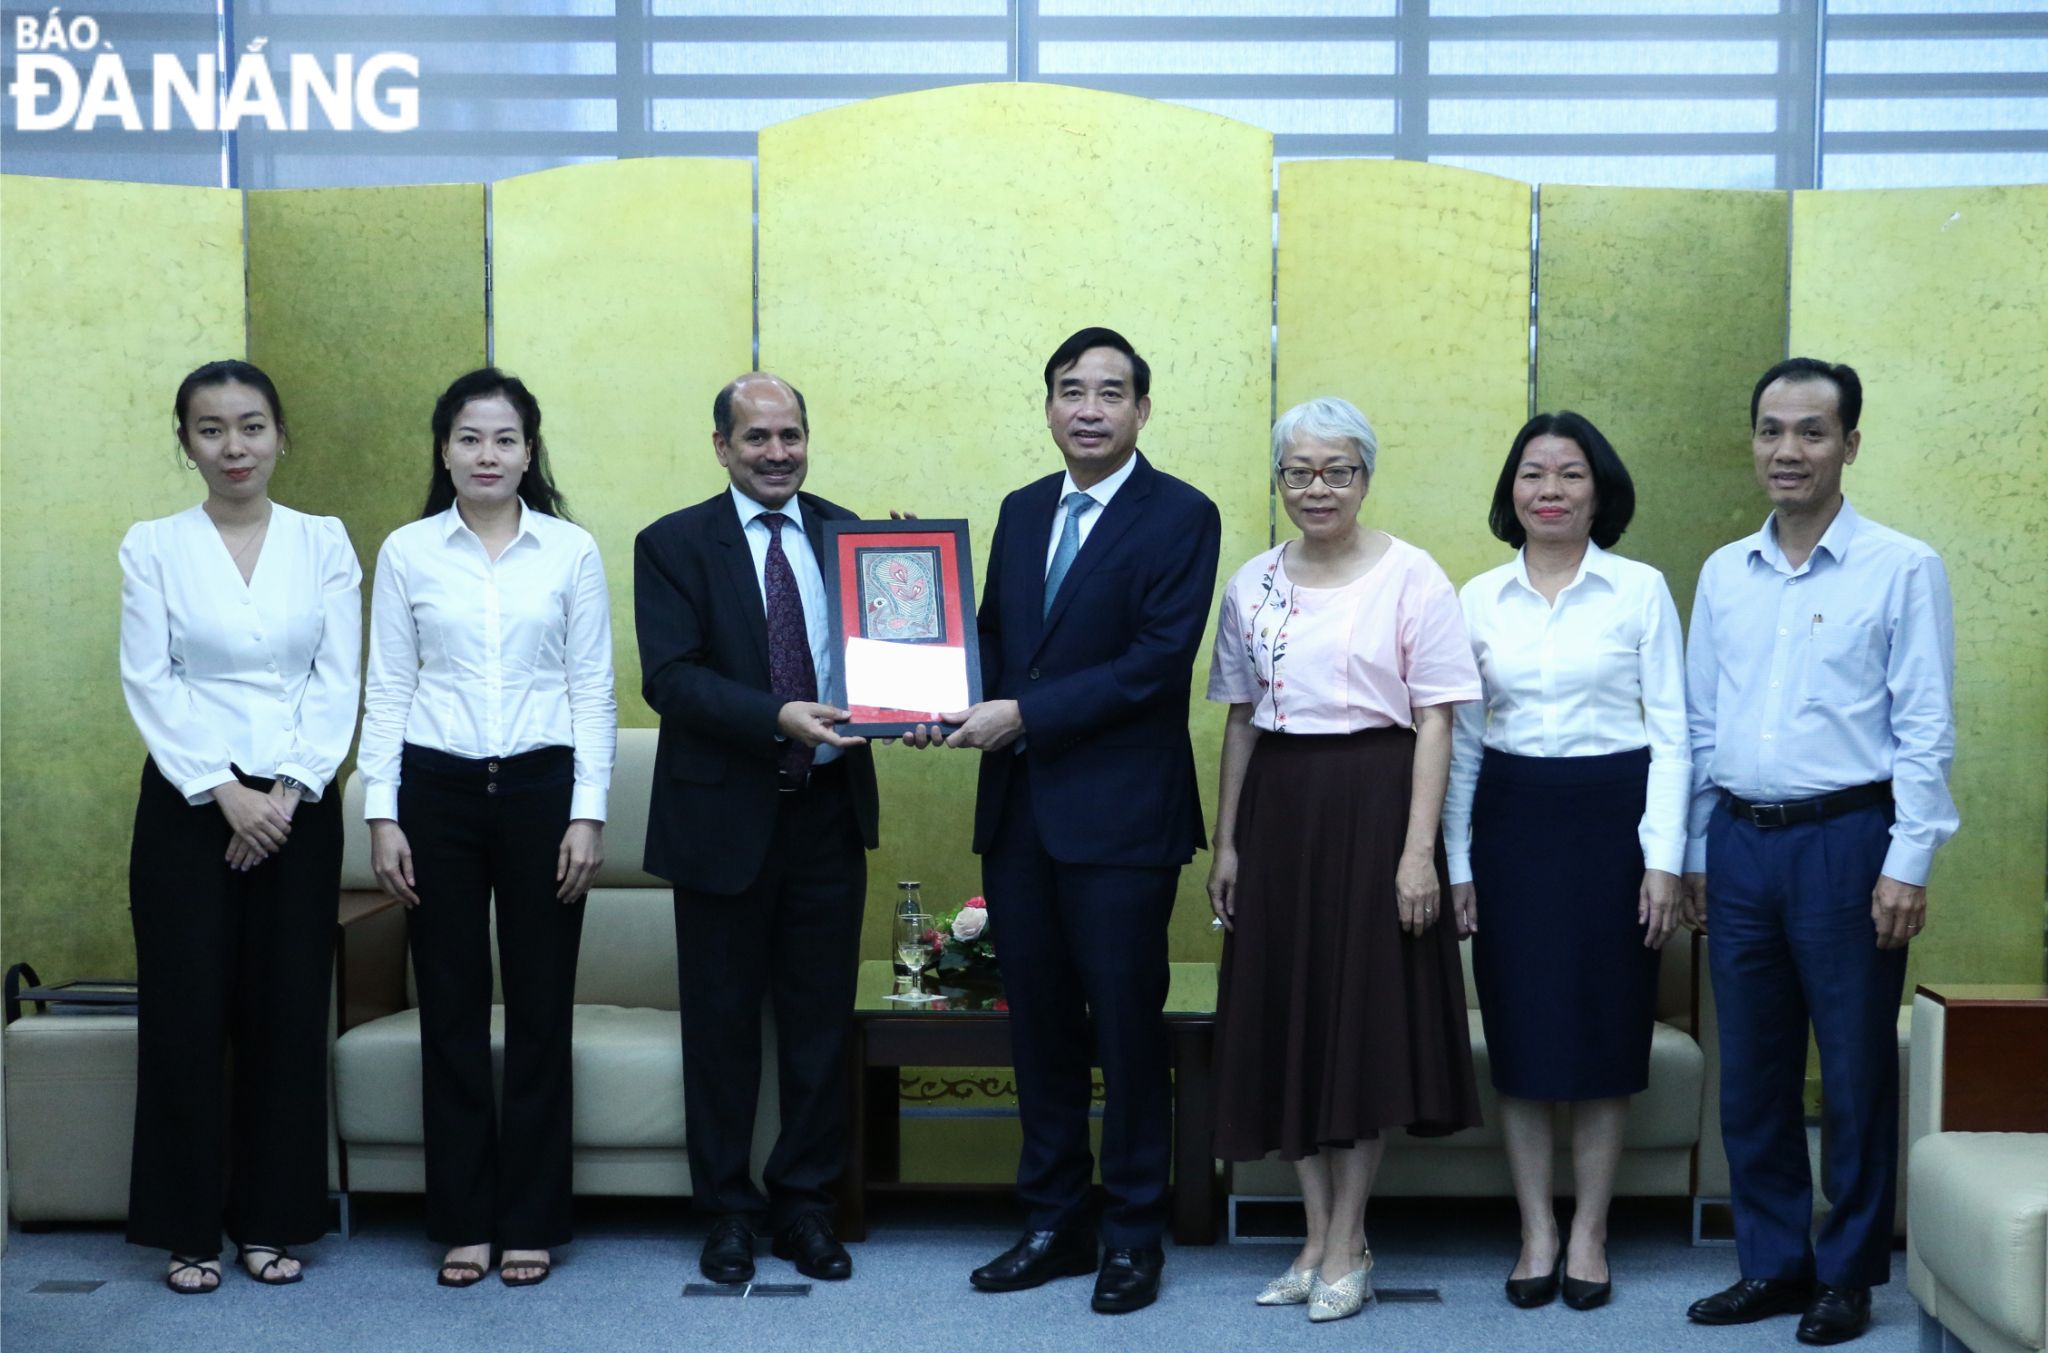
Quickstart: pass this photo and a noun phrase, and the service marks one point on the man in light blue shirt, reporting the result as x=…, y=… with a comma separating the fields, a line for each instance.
x=1819, y=683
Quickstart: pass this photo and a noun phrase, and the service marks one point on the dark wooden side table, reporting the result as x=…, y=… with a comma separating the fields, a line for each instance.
x=974, y=1030
x=1995, y=1042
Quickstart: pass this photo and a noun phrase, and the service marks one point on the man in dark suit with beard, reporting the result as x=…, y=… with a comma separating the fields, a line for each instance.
x=759, y=816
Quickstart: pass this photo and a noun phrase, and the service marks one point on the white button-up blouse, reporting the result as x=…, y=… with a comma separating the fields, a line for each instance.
x=479, y=657
x=262, y=675
x=1600, y=671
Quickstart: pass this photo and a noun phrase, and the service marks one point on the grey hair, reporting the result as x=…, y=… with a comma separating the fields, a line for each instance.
x=1327, y=419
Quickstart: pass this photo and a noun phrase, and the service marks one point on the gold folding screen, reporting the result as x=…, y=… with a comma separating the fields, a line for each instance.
x=110, y=293
x=1405, y=289
x=1939, y=299
x=622, y=295
x=363, y=304
x=922, y=256
x=1657, y=309
x=919, y=257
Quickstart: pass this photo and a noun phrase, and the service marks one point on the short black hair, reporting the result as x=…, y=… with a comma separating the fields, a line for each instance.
x=229, y=372
x=721, y=407
x=1614, y=493
x=1070, y=352
x=1848, y=385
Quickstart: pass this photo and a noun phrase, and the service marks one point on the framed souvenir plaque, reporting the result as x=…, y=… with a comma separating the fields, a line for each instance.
x=901, y=600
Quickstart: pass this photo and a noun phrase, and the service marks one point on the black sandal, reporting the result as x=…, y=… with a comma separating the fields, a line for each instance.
x=180, y=1264
x=472, y=1273
x=262, y=1273
x=545, y=1266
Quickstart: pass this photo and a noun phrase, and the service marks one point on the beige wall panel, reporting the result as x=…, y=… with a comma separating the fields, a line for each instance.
x=622, y=294
x=1657, y=310
x=109, y=294
x=1939, y=299
x=1404, y=288
x=921, y=257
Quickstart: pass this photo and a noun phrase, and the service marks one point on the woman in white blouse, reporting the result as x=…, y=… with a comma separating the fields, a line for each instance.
x=489, y=726
x=1565, y=825
x=241, y=642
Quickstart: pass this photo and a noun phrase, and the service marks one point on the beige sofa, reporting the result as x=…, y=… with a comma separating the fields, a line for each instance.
x=1977, y=1237
x=1663, y=1151
x=628, y=1052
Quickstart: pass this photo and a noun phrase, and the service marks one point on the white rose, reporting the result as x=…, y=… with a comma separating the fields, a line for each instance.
x=969, y=924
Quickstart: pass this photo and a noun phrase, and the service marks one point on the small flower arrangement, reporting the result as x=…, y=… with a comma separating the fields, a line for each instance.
x=961, y=942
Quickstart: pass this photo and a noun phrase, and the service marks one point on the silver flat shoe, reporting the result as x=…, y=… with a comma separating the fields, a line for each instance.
x=1345, y=1297
x=1289, y=1289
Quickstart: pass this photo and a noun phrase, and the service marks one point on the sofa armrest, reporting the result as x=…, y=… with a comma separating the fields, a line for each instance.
x=369, y=958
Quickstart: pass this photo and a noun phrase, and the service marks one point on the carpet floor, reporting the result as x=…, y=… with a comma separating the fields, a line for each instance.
x=620, y=1286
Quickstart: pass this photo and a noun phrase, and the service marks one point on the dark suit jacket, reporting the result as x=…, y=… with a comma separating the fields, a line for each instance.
x=1102, y=679
x=704, y=668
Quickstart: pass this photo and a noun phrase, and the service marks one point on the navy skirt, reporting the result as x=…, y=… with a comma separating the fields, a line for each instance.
x=1567, y=991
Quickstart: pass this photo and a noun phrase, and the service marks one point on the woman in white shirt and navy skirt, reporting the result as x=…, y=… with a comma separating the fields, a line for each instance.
x=241, y=644
x=489, y=727
x=1565, y=828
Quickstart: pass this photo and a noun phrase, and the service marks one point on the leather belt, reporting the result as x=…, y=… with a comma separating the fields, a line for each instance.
x=1796, y=811
x=817, y=777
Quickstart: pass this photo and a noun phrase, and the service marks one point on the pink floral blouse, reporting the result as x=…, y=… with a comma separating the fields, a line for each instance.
x=1342, y=659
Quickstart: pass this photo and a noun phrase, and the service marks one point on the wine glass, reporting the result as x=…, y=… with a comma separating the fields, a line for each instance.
x=914, y=953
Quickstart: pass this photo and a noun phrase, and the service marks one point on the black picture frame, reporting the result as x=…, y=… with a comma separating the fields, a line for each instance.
x=929, y=602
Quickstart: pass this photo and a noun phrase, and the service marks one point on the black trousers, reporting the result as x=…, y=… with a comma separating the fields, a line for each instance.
x=230, y=963
x=484, y=830
x=1085, y=969
x=793, y=937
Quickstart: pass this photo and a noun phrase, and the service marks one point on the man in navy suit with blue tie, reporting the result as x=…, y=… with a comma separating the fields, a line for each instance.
x=1099, y=582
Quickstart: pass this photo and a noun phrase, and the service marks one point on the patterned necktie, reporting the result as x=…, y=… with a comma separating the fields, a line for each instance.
x=1069, y=546
x=791, y=674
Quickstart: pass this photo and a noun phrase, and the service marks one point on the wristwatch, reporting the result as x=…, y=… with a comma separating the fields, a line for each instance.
x=305, y=790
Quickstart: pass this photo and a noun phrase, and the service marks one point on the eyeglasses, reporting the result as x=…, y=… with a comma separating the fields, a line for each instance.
x=1336, y=476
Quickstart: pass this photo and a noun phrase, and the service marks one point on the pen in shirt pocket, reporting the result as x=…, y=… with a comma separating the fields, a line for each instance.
x=1814, y=626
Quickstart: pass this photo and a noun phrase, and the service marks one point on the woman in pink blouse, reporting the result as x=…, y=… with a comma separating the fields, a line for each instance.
x=1341, y=1002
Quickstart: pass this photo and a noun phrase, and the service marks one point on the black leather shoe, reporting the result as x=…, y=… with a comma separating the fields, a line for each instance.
x=1837, y=1315
x=1752, y=1299
x=1529, y=1293
x=1129, y=1280
x=728, y=1252
x=1037, y=1259
x=1581, y=1295
x=808, y=1243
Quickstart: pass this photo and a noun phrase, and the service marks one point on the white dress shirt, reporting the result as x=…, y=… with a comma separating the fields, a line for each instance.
x=810, y=587
x=1600, y=671
x=1102, y=492
x=479, y=657
x=262, y=674
x=1835, y=674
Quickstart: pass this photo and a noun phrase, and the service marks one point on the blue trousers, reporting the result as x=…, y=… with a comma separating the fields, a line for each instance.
x=1793, y=942
x=1084, y=966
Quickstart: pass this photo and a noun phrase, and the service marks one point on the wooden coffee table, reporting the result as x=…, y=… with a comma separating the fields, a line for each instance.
x=971, y=1030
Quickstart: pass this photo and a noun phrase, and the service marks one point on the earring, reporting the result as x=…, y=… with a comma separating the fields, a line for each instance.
x=191, y=464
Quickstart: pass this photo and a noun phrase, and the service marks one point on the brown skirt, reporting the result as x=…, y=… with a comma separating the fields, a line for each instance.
x=1333, y=1024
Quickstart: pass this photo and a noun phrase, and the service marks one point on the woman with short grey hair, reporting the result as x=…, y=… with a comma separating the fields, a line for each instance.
x=1341, y=1000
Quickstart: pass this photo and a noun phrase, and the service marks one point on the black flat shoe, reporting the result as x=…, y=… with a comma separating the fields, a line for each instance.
x=808, y=1243
x=1837, y=1315
x=1751, y=1299
x=1129, y=1280
x=1529, y=1293
x=1584, y=1296
x=1038, y=1258
x=728, y=1255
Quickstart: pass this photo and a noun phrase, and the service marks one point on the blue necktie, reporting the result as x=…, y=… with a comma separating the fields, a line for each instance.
x=1069, y=546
